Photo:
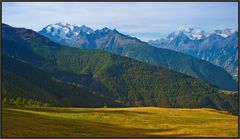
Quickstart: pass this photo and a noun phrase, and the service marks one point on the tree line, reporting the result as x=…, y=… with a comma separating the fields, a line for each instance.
x=18, y=101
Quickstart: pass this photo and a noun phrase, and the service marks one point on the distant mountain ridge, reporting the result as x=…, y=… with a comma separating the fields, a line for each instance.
x=197, y=33
x=124, y=45
x=219, y=47
x=75, y=36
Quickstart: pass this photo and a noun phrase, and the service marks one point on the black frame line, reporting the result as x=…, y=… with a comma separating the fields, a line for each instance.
x=1, y=1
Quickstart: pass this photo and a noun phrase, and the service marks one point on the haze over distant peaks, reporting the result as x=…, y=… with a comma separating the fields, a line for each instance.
x=197, y=33
x=225, y=33
x=192, y=33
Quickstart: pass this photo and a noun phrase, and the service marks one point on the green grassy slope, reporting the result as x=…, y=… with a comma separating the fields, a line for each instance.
x=117, y=122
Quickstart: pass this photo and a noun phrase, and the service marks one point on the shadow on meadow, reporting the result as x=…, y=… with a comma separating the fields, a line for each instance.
x=20, y=124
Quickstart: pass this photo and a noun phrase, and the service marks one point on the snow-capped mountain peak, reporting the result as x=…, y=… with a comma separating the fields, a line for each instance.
x=225, y=33
x=192, y=33
x=65, y=30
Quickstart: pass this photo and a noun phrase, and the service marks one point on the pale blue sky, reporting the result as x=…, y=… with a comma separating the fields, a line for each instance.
x=144, y=20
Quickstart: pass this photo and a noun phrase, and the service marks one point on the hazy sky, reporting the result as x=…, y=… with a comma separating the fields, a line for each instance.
x=146, y=20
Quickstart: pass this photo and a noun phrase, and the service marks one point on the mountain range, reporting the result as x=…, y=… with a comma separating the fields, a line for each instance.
x=219, y=47
x=117, y=43
x=34, y=66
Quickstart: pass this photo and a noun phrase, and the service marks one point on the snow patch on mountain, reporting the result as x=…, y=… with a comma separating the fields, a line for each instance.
x=65, y=30
x=194, y=34
x=191, y=33
x=224, y=33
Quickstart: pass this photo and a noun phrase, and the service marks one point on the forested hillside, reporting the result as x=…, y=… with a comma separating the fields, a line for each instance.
x=127, y=81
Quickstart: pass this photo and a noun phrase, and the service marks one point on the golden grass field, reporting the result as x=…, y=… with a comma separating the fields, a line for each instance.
x=117, y=122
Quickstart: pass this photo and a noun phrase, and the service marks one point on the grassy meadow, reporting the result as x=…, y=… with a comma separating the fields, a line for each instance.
x=117, y=122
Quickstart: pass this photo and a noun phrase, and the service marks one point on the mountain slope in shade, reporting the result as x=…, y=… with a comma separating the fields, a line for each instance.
x=21, y=79
x=124, y=45
x=219, y=48
x=130, y=82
